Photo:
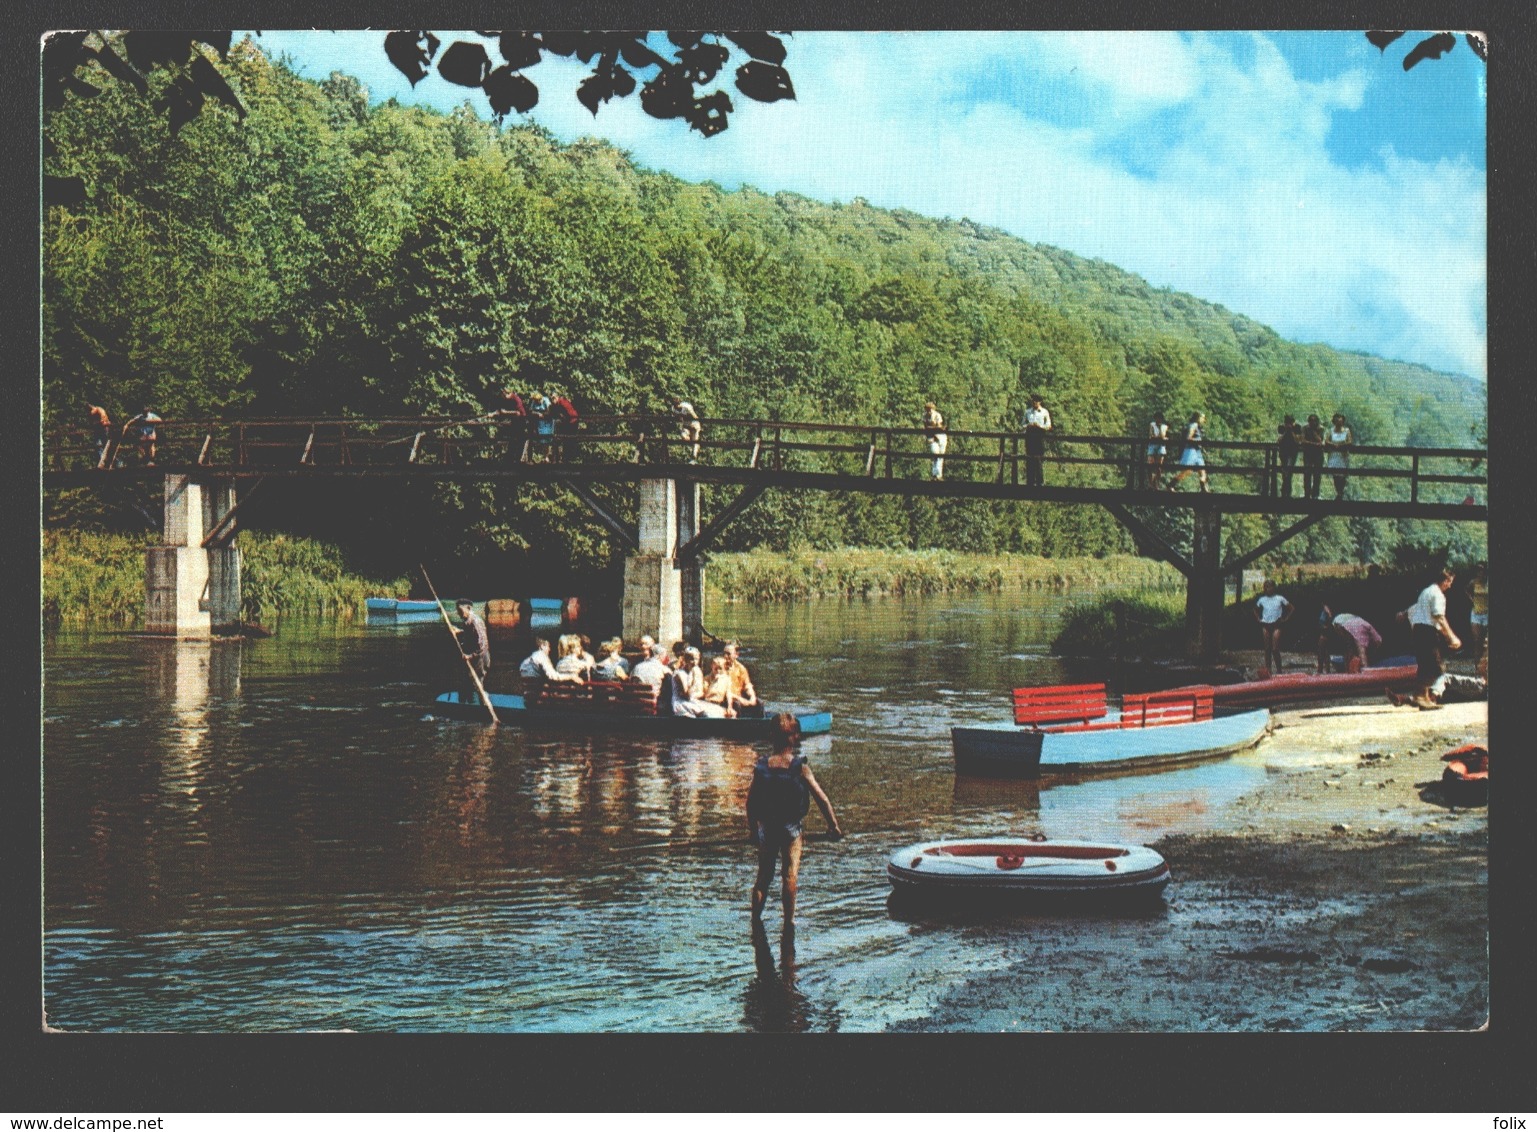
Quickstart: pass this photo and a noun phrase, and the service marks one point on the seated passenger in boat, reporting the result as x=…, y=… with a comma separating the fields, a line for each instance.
x=717, y=687
x=611, y=666
x=742, y=690
x=653, y=669
x=688, y=688
x=571, y=665
x=538, y=664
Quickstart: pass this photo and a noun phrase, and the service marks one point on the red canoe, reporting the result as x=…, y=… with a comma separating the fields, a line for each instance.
x=1308, y=686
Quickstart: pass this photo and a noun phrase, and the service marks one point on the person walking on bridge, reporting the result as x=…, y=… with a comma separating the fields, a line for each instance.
x=1157, y=448
x=1192, y=459
x=689, y=426
x=938, y=439
x=1037, y=425
x=101, y=428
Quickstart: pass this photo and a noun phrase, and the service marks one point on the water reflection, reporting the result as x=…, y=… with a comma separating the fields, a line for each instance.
x=773, y=1003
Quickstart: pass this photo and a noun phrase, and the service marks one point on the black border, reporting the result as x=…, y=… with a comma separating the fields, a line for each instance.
x=1483, y=1072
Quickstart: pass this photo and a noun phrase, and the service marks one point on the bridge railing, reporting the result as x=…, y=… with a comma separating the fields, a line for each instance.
x=1087, y=461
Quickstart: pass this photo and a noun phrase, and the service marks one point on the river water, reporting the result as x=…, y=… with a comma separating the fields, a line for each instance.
x=272, y=835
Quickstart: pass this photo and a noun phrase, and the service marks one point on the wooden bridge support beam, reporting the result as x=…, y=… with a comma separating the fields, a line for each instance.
x=1204, y=588
x=192, y=587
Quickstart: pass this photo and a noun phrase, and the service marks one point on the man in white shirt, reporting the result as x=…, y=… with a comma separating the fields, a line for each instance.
x=1428, y=629
x=538, y=663
x=1272, y=611
x=653, y=669
x=1037, y=425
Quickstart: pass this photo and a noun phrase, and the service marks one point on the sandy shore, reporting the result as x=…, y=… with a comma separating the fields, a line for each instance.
x=1342, y=894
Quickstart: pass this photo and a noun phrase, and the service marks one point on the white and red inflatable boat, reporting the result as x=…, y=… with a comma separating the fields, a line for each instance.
x=1034, y=866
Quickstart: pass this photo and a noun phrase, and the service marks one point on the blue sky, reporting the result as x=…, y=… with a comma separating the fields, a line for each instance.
x=1301, y=178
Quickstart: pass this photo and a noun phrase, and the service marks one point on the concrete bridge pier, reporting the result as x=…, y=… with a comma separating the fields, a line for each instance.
x=662, y=597
x=193, y=590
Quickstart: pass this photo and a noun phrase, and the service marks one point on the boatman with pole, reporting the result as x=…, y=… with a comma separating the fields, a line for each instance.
x=473, y=642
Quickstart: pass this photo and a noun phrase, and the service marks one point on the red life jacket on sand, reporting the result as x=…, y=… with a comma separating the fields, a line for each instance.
x=1469, y=763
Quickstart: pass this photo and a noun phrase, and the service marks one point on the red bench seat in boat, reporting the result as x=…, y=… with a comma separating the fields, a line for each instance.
x=1082, y=707
x=1065, y=703
x=629, y=697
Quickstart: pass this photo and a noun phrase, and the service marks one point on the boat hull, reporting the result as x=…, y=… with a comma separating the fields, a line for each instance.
x=515, y=710
x=1006, y=751
x=1028, y=867
x=399, y=605
x=1309, y=686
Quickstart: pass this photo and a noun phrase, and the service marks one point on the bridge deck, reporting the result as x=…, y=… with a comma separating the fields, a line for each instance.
x=1426, y=483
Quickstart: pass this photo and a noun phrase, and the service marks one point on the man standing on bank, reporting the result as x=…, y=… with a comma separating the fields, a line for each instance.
x=473, y=642
x=1037, y=425
x=1428, y=628
x=777, y=801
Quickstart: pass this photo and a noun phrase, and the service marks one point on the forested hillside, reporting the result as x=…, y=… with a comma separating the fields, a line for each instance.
x=322, y=256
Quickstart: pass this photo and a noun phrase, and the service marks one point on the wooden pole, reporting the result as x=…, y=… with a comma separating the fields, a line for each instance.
x=475, y=676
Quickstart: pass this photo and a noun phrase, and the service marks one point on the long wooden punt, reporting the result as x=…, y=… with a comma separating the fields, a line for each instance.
x=1072, y=729
x=627, y=709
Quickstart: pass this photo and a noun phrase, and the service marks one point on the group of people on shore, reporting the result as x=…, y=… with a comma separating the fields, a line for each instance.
x=686, y=686
x=1431, y=636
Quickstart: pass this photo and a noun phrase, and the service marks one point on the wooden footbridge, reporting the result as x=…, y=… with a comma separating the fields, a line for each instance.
x=214, y=457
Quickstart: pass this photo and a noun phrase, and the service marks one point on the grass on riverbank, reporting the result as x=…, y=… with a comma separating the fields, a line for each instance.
x=1153, y=621
x=98, y=577
x=762, y=575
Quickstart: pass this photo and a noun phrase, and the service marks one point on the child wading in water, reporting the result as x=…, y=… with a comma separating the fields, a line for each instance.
x=777, y=802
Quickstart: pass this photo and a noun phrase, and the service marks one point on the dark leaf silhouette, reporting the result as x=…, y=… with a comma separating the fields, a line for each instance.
x=410, y=54
x=62, y=53
x=1381, y=39
x=115, y=66
x=519, y=48
x=206, y=78
x=637, y=54
x=764, y=81
x=684, y=39
x=669, y=95
x=148, y=49
x=585, y=45
x=63, y=191
x=180, y=103
x=218, y=40
x=708, y=114
x=702, y=61
x=760, y=45
x=1479, y=44
x=465, y=64
x=607, y=81
x=80, y=87
x=1431, y=48
x=508, y=90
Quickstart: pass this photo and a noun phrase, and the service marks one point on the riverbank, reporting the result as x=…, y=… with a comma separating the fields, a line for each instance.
x=768, y=576
x=97, y=577
x=1341, y=894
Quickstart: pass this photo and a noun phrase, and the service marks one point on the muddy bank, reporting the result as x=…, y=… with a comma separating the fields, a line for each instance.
x=1341, y=894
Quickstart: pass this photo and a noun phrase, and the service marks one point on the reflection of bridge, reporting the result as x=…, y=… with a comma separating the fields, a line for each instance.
x=662, y=575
